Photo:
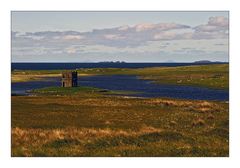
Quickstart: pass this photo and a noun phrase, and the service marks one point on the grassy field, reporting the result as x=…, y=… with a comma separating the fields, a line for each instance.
x=213, y=76
x=87, y=121
x=92, y=123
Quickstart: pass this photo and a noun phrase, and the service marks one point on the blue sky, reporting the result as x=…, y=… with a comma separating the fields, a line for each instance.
x=119, y=36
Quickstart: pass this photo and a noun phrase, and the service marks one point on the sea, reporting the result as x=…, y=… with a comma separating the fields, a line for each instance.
x=72, y=66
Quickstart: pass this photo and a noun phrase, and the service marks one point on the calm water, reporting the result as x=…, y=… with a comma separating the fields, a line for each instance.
x=23, y=87
x=132, y=83
x=60, y=66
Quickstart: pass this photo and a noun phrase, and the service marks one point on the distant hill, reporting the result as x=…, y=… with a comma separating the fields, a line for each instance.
x=116, y=62
x=203, y=61
x=207, y=62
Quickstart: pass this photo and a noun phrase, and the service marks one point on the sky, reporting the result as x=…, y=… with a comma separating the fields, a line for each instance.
x=119, y=36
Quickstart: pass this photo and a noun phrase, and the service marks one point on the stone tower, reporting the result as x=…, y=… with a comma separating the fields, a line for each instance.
x=69, y=79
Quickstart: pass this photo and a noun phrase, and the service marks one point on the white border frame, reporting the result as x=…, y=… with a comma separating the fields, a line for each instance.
x=179, y=5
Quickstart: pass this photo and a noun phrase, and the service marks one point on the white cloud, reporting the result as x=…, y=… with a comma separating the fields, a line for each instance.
x=123, y=28
x=144, y=26
x=136, y=39
x=218, y=21
x=159, y=27
x=215, y=24
x=70, y=50
x=73, y=37
x=206, y=28
x=113, y=37
x=132, y=36
x=165, y=36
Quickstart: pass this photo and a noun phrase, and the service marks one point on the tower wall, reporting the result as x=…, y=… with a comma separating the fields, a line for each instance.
x=69, y=79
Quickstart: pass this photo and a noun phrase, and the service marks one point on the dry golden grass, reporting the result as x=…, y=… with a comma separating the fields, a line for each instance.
x=22, y=77
x=117, y=126
x=92, y=124
x=26, y=139
x=32, y=77
x=37, y=137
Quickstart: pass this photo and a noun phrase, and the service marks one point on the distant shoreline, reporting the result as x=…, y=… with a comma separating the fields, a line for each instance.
x=71, y=66
x=121, y=62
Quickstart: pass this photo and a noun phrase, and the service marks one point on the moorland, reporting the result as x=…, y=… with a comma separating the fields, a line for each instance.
x=86, y=121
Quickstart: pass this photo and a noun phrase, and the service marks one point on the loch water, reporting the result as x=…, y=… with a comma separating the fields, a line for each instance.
x=144, y=88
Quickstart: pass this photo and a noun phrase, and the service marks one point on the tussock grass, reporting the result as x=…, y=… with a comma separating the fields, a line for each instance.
x=88, y=138
x=147, y=141
x=75, y=125
x=86, y=122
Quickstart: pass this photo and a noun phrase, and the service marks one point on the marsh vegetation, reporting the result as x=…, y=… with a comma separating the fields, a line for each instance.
x=88, y=121
x=214, y=76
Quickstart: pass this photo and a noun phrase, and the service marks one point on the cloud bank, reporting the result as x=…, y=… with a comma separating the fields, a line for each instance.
x=127, y=38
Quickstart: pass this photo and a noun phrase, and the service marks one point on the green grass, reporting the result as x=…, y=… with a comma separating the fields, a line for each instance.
x=213, y=76
x=86, y=121
x=65, y=90
x=74, y=125
x=80, y=90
